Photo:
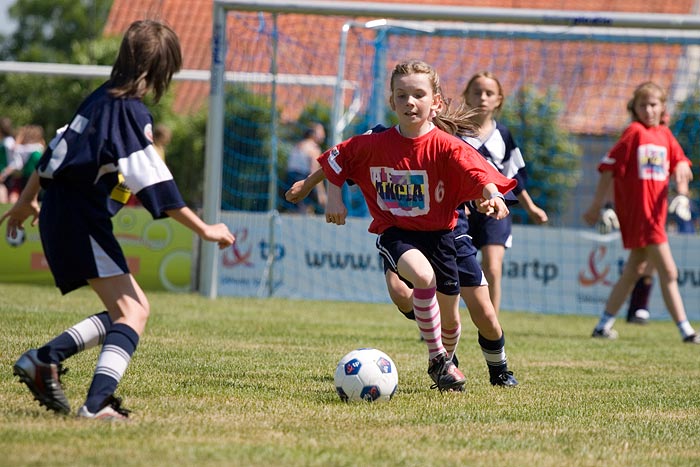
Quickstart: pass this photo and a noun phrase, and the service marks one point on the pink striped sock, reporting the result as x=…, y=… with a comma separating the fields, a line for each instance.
x=427, y=313
x=450, y=339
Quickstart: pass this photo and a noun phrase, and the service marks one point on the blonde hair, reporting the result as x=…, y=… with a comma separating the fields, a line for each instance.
x=646, y=89
x=30, y=134
x=484, y=74
x=457, y=122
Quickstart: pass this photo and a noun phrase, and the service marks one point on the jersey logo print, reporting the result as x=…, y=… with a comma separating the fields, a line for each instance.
x=332, y=160
x=401, y=192
x=653, y=162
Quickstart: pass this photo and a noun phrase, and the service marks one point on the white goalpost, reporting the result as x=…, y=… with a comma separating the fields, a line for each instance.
x=393, y=28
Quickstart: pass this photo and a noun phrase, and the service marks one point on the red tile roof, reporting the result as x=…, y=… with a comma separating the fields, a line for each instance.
x=585, y=86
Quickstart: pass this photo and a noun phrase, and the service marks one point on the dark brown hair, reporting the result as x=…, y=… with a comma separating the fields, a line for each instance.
x=30, y=134
x=148, y=58
x=6, y=127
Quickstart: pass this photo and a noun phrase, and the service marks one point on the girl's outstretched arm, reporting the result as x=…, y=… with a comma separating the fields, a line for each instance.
x=336, y=212
x=302, y=188
x=536, y=213
x=592, y=215
x=25, y=207
x=218, y=233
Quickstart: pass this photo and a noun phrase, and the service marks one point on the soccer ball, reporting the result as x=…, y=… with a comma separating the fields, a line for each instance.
x=19, y=238
x=366, y=375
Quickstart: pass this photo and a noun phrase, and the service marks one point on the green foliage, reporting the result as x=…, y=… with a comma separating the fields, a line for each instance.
x=248, y=145
x=553, y=159
x=185, y=154
x=46, y=31
x=317, y=111
x=62, y=31
x=247, y=149
x=70, y=31
x=686, y=127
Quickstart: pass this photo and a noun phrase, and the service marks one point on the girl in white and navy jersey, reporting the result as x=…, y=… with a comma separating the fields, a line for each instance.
x=484, y=94
x=87, y=173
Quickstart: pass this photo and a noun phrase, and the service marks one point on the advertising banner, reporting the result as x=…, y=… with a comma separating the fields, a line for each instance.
x=159, y=252
x=548, y=270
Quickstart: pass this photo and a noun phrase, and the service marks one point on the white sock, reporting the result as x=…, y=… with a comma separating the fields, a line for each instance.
x=685, y=328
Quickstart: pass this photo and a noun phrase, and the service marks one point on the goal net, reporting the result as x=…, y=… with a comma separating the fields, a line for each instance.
x=567, y=76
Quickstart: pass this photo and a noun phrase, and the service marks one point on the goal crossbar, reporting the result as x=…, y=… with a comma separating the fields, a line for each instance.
x=584, y=25
x=469, y=14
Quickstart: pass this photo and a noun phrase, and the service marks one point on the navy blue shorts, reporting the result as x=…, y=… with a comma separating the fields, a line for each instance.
x=438, y=247
x=469, y=270
x=470, y=273
x=77, y=238
x=486, y=230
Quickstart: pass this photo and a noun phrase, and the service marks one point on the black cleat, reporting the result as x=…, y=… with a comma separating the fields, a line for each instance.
x=43, y=380
x=446, y=375
x=609, y=334
x=504, y=379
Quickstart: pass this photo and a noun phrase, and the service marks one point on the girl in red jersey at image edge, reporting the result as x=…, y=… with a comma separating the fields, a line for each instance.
x=413, y=177
x=638, y=168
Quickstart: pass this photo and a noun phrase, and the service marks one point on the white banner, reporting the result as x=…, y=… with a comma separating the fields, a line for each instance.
x=548, y=270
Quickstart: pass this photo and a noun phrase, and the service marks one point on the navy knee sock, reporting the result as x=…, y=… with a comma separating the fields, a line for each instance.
x=82, y=336
x=495, y=354
x=119, y=346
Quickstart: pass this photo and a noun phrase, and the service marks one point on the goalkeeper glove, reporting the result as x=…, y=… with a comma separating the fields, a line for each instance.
x=608, y=220
x=680, y=206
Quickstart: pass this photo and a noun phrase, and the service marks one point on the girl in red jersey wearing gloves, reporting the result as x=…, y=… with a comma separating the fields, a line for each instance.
x=413, y=177
x=638, y=167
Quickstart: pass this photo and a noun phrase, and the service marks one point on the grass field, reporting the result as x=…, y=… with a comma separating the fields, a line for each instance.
x=241, y=382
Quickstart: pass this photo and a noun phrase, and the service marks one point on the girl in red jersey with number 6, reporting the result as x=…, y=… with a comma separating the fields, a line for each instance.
x=413, y=177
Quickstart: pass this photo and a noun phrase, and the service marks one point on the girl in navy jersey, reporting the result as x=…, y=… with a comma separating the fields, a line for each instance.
x=413, y=177
x=105, y=150
x=638, y=167
x=484, y=94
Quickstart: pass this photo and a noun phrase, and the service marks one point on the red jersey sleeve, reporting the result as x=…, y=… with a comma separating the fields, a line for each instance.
x=345, y=159
x=474, y=172
x=616, y=160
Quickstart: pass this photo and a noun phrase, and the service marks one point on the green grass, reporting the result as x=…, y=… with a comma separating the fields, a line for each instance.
x=250, y=382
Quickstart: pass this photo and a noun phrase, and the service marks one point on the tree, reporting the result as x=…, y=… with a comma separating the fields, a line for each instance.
x=70, y=31
x=247, y=149
x=46, y=31
x=686, y=127
x=185, y=154
x=61, y=31
x=553, y=159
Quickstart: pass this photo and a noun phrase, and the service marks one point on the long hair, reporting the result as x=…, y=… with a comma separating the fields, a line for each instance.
x=484, y=74
x=645, y=89
x=30, y=134
x=457, y=121
x=148, y=58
